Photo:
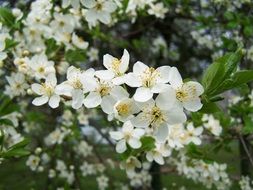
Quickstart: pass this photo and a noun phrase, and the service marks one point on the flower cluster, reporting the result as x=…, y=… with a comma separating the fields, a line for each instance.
x=209, y=174
x=159, y=100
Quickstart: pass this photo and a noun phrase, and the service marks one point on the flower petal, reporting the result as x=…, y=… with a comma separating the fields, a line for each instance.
x=40, y=100
x=166, y=99
x=143, y=94
x=164, y=74
x=92, y=100
x=134, y=143
x=54, y=101
x=121, y=146
x=116, y=135
x=175, y=78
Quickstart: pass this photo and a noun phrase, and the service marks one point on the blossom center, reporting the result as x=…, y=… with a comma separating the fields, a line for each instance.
x=123, y=109
x=77, y=84
x=104, y=89
x=149, y=77
x=156, y=116
x=115, y=66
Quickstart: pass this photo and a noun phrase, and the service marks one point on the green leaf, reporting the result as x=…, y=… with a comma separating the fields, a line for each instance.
x=248, y=125
x=15, y=153
x=148, y=143
x=75, y=56
x=51, y=46
x=238, y=79
x=194, y=152
x=213, y=76
x=6, y=122
x=210, y=107
x=6, y=17
x=219, y=71
x=10, y=43
x=21, y=144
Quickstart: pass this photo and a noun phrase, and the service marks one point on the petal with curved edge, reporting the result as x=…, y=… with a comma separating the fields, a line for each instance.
x=124, y=62
x=175, y=78
x=138, y=133
x=159, y=87
x=127, y=127
x=107, y=61
x=159, y=158
x=77, y=98
x=166, y=99
x=40, y=100
x=143, y=94
x=164, y=74
x=121, y=146
x=64, y=89
x=118, y=92
x=54, y=101
x=134, y=143
x=107, y=104
x=133, y=80
x=105, y=74
x=92, y=100
x=38, y=89
x=88, y=3
x=193, y=105
x=161, y=133
x=140, y=121
x=119, y=80
x=175, y=115
x=116, y=135
x=139, y=68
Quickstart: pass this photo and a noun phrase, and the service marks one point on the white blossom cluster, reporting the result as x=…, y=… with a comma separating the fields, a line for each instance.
x=3, y=36
x=159, y=101
x=209, y=174
x=212, y=124
x=246, y=183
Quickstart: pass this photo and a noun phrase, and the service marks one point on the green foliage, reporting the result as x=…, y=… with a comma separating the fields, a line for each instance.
x=221, y=76
x=9, y=43
x=75, y=56
x=248, y=125
x=6, y=17
x=52, y=47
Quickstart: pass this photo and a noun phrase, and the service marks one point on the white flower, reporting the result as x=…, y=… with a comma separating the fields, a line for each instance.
x=78, y=83
x=79, y=42
x=128, y=135
x=41, y=66
x=17, y=85
x=124, y=109
x=192, y=134
x=47, y=92
x=105, y=94
x=74, y=3
x=176, y=132
x=33, y=162
x=158, y=10
x=63, y=23
x=212, y=124
x=17, y=13
x=116, y=68
x=102, y=182
x=148, y=80
x=99, y=10
x=130, y=164
x=3, y=55
x=187, y=93
x=92, y=54
x=161, y=150
x=158, y=114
